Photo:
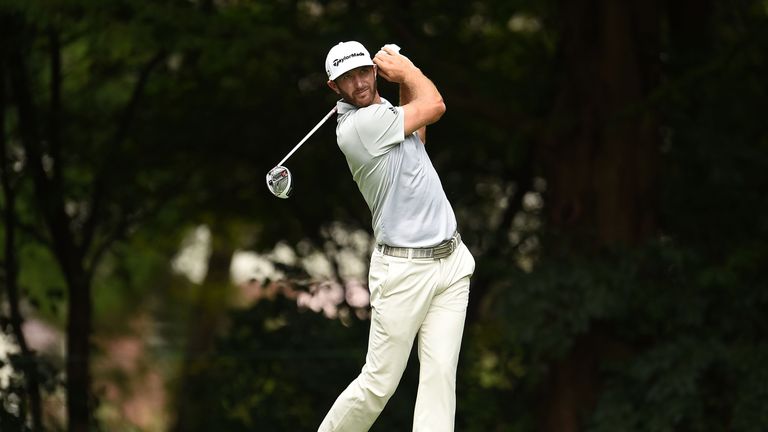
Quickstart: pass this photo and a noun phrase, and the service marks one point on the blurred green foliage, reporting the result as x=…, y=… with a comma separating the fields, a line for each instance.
x=235, y=84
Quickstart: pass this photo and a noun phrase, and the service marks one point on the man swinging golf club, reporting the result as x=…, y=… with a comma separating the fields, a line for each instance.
x=420, y=269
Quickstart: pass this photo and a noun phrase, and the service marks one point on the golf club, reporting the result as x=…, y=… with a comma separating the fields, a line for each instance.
x=279, y=179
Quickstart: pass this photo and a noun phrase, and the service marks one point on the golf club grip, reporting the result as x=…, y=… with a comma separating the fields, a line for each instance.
x=306, y=137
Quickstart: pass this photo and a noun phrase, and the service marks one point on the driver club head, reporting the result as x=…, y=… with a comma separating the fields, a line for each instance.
x=279, y=182
x=279, y=178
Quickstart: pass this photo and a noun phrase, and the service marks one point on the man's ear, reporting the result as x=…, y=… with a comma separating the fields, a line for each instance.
x=333, y=86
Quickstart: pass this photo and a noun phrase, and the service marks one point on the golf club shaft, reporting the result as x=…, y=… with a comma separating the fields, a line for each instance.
x=307, y=136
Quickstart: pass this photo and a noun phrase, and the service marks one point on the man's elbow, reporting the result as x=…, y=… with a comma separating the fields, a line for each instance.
x=438, y=110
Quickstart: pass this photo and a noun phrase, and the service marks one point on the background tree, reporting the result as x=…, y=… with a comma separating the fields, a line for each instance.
x=606, y=162
x=83, y=203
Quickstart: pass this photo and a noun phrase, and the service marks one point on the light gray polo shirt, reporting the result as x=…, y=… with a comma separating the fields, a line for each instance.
x=395, y=176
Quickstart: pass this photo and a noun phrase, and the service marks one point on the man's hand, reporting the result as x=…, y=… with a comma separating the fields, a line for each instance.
x=421, y=102
x=393, y=66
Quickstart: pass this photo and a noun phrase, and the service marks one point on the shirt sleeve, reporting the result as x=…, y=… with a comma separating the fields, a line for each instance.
x=380, y=127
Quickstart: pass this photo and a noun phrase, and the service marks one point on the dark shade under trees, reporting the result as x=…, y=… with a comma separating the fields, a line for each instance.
x=606, y=160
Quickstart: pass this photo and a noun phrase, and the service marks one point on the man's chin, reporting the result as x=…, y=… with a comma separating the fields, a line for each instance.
x=360, y=102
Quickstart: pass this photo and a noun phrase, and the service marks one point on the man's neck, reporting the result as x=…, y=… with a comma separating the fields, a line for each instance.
x=376, y=100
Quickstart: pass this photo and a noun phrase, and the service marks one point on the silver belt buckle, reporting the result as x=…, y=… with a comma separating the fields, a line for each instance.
x=444, y=250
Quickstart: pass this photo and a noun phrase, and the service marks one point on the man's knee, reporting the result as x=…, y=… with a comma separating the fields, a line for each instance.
x=380, y=385
x=441, y=369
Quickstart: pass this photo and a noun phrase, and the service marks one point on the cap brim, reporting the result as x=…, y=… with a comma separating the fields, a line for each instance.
x=349, y=65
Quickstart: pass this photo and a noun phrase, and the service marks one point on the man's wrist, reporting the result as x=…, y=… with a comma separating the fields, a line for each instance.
x=413, y=74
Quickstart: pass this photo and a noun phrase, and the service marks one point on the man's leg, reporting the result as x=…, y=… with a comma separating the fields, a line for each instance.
x=439, y=345
x=398, y=304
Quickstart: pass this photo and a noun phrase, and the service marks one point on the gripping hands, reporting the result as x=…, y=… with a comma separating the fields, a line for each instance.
x=392, y=65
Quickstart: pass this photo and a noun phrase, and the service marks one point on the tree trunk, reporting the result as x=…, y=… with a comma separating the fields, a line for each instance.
x=601, y=162
x=79, y=329
x=68, y=254
x=572, y=391
x=29, y=366
x=208, y=313
x=601, y=159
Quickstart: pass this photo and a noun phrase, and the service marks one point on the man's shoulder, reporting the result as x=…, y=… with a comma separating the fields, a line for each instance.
x=377, y=127
x=375, y=114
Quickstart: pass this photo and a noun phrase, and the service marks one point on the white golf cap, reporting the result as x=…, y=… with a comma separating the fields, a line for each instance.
x=346, y=56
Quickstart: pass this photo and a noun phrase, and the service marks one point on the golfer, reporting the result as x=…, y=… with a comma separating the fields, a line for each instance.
x=420, y=269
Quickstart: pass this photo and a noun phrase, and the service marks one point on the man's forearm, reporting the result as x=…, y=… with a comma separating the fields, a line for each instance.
x=418, y=86
x=418, y=91
x=405, y=94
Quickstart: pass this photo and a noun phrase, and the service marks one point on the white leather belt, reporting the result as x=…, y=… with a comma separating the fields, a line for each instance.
x=443, y=250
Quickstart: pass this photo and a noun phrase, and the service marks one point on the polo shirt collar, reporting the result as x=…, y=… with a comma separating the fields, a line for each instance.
x=343, y=107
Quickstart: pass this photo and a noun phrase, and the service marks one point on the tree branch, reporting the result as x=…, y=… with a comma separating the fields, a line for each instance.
x=54, y=128
x=127, y=221
x=49, y=194
x=121, y=133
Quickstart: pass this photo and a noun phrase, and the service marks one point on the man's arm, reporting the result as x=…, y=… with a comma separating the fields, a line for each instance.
x=405, y=98
x=420, y=99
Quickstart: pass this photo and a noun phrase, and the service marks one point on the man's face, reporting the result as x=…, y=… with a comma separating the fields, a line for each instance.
x=357, y=86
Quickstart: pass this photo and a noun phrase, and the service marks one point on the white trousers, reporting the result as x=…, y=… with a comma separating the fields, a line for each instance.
x=410, y=297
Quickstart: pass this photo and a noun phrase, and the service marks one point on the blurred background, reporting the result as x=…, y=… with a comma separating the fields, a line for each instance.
x=607, y=162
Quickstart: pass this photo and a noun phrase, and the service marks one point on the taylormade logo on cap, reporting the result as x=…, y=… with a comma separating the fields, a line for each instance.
x=344, y=57
x=337, y=62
